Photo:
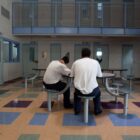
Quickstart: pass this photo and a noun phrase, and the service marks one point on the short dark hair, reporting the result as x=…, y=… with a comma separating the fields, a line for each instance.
x=65, y=59
x=86, y=52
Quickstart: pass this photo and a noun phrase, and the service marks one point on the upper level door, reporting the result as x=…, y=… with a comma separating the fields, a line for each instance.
x=127, y=59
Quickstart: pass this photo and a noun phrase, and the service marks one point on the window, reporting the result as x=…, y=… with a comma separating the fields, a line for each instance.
x=5, y=12
x=32, y=54
x=101, y=54
x=99, y=10
x=11, y=51
x=84, y=10
x=56, y=11
x=15, y=52
x=100, y=7
x=6, y=51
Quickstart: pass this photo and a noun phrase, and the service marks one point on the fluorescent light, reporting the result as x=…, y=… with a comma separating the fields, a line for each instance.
x=99, y=53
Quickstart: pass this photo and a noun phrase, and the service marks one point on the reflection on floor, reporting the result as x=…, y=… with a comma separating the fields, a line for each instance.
x=24, y=116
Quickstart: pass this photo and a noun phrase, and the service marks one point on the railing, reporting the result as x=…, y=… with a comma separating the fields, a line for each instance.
x=77, y=15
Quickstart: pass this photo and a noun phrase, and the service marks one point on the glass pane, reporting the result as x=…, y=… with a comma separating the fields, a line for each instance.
x=6, y=51
x=14, y=52
x=32, y=54
x=77, y=51
x=101, y=53
x=99, y=10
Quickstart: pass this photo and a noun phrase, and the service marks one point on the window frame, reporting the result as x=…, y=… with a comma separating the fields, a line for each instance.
x=10, y=53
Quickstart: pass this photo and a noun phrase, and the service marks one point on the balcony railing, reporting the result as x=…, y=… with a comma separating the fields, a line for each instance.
x=75, y=15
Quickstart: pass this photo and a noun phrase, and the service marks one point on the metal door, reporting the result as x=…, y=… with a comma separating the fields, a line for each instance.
x=29, y=58
x=127, y=59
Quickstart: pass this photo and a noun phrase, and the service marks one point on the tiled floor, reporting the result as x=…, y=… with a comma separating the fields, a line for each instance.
x=16, y=103
x=24, y=116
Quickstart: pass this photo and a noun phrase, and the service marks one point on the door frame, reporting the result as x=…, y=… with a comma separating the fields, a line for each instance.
x=1, y=61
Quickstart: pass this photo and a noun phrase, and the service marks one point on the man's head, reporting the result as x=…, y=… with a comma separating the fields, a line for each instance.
x=85, y=52
x=65, y=59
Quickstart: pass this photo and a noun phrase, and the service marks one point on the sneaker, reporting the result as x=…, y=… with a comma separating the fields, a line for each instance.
x=76, y=112
x=98, y=112
x=68, y=106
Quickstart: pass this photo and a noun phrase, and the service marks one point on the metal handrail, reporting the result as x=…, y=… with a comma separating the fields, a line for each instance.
x=77, y=12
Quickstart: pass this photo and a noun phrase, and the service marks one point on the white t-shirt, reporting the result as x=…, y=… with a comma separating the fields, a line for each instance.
x=54, y=72
x=85, y=71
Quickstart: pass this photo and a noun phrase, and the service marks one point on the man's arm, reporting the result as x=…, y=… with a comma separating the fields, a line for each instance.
x=72, y=70
x=65, y=70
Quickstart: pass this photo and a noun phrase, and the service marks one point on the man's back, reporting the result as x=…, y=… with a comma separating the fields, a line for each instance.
x=85, y=71
x=54, y=72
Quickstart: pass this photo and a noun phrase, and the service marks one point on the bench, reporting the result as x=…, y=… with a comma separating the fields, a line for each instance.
x=118, y=93
x=117, y=85
x=51, y=93
x=31, y=78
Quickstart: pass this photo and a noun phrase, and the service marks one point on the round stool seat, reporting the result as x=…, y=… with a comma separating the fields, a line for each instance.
x=130, y=77
x=52, y=91
x=86, y=102
x=117, y=84
x=86, y=97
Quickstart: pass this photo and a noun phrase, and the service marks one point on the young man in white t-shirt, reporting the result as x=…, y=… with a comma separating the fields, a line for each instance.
x=53, y=76
x=85, y=72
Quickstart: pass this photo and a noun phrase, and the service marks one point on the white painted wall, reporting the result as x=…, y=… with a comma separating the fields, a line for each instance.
x=10, y=70
x=115, y=51
x=66, y=46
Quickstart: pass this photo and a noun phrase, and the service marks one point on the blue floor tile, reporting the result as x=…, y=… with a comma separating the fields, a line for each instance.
x=77, y=120
x=121, y=120
x=80, y=137
x=39, y=119
x=8, y=117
